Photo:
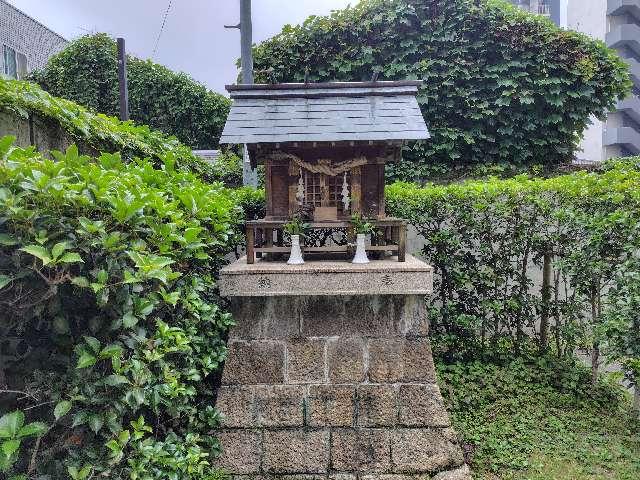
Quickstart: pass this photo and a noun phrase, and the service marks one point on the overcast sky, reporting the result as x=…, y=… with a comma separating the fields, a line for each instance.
x=194, y=40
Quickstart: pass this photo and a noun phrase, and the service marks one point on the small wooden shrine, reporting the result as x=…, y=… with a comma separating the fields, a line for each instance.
x=324, y=147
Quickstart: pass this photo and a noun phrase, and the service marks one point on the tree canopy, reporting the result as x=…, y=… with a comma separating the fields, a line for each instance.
x=86, y=71
x=503, y=89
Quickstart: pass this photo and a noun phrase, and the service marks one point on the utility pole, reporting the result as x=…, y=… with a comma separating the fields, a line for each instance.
x=122, y=80
x=249, y=175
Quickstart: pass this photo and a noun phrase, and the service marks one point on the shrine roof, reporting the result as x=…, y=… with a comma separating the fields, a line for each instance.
x=322, y=112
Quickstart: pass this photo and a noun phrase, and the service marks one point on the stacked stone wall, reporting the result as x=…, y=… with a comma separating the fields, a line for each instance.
x=318, y=387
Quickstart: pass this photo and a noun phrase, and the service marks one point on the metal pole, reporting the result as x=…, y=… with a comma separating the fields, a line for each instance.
x=122, y=79
x=249, y=175
x=246, y=41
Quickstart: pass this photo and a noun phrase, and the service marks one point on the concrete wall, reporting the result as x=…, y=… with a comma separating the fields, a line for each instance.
x=28, y=36
x=40, y=132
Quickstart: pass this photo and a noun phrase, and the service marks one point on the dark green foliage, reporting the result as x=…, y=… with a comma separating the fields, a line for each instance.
x=86, y=72
x=487, y=242
x=100, y=133
x=503, y=89
x=109, y=316
x=540, y=419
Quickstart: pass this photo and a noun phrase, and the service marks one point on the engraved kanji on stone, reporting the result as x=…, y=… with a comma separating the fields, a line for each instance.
x=264, y=283
x=387, y=280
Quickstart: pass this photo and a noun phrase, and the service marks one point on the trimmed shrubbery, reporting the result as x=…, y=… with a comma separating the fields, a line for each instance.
x=484, y=239
x=111, y=327
x=101, y=133
x=86, y=72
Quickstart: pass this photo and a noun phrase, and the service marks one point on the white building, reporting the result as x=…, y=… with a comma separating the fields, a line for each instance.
x=25, y=44
x=617, y=22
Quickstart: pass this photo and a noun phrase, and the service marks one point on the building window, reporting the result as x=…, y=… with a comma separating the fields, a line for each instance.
x=544, y=7
x=15, y=63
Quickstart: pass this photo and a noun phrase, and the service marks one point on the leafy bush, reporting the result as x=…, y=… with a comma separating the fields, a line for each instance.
x=539, y=418
x=100, y=133
x=86, y=71
x=484, y=238
x=503, y=89
x=110, y=325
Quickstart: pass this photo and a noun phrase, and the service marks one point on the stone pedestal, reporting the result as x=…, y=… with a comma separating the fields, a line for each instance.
x=333, y=385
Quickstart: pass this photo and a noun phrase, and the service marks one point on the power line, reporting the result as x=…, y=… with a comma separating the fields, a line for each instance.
x=164, y=22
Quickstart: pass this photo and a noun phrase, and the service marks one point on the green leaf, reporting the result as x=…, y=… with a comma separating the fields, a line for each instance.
x=11, y=423
x=38, y=252
x=81, y=282
x=96, y=423
x=129, y=320
x=79, y=418
x=86, y=360
x=115, y=380
x=9, y=447
x=34, y=429
x=5, y=280
x=58, y=249
x=93, y=343
x=62, y=408
x=111, y=351
x=113, y=445
x=71, y=257
x=7, y=240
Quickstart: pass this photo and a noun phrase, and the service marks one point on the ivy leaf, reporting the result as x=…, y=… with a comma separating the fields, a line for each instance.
x=129, y=320
x=95, y=423
x=86, y=360
x=115, y=380
x=34, y=429
x=62, y=408
x=111, y=351
x=79, y=418
x=71, y=257
x=5, y=280
x=58, y=249
x=93, y=342
x=11, y=423
x=81, y=282
x=9, y=447
x=7, y=241
x=38, y=252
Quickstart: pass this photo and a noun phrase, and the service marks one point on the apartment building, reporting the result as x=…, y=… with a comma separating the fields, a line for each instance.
x=25, y=44
x=617, y=22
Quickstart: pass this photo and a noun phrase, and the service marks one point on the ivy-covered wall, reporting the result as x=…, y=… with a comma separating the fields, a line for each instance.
x=503, y=89
x=86, y=71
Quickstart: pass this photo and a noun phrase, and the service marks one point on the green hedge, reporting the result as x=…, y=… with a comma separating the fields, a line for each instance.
x=110, y=321
x=101, y=133
x=86, y=71
x=503, y=89
x=485, y=240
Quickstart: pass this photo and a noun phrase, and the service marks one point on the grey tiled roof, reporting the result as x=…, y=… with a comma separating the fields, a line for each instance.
x=324, y=112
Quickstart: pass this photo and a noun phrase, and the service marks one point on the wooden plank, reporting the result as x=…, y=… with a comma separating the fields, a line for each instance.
x=332, y=248
x=381, y=197
x=356, y=190
x=382, y=248
x=402, y=243
x=267, y=187
x=251, y=258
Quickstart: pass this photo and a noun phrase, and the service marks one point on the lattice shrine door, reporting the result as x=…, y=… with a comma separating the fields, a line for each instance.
x=322, y=185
